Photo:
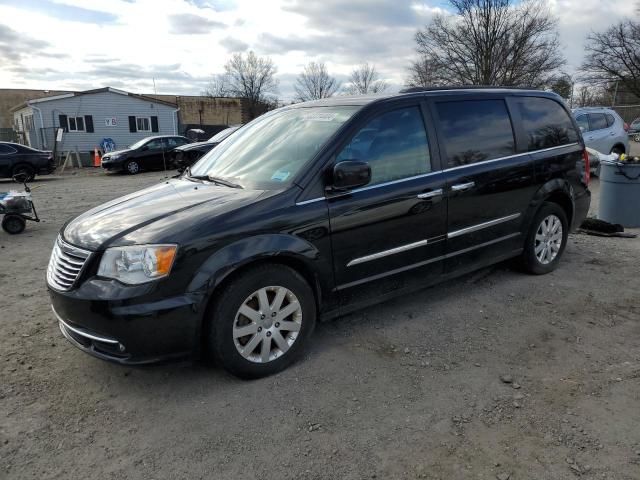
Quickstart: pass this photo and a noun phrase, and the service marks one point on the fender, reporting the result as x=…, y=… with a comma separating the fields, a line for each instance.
x=555, y=186
x=260, y=247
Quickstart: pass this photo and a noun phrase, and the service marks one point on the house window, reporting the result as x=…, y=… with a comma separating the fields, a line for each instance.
x=76, y=124
x=143, y=124
x=28, y=123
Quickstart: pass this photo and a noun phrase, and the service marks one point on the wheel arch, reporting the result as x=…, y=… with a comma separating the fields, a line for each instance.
x=237, y=258
x=557, y=191
x=620, y=146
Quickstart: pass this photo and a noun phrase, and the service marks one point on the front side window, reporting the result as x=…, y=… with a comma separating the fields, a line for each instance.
x=546, y=123
x=394, y=144
x=155, y=144
x=270, y=151
x=475, y=130
x=143, y=124
x=76, y=124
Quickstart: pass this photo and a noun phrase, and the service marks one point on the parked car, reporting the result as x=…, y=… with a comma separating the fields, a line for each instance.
x=297, y=217
x=603, y=130
x=186, y=155
x=151, y=153
x=24, y=162
x=634, y=130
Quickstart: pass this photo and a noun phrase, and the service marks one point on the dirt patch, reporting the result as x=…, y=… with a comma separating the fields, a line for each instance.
x=407, y=389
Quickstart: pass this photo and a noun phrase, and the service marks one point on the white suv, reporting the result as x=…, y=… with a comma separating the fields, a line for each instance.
x=602, y=129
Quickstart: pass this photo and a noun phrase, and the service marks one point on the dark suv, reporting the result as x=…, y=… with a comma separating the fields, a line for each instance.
x=151, y=153
x=313, y=210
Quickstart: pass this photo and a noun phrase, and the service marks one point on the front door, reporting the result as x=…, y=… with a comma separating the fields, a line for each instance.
x=397, y=223
x=150, y=155
x=489, y=184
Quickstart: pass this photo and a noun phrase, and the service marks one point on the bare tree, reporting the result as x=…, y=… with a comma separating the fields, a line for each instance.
x=614, y=55
x=218, y=87
x=364, y=80
x=253, y=78
x=562, y=85
x=315, y=83
x=492, y=42
x=424, y=72
x=590, y=95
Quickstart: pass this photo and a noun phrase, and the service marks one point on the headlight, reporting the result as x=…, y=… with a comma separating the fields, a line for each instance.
x=114, y=157
x=137, y=264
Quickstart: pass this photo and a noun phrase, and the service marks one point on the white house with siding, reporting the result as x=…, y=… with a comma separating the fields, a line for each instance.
x=93, y=119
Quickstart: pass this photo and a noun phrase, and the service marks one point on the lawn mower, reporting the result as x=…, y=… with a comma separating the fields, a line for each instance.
x=17, y=208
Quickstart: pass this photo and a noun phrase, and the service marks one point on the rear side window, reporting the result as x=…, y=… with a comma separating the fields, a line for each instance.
x=6, y=150
x=546, y=123
x=610, y=119
x=598, y=121
x=475, y=130
x=393, y=143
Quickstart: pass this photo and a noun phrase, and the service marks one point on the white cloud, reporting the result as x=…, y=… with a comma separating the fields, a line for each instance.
x=182, y=43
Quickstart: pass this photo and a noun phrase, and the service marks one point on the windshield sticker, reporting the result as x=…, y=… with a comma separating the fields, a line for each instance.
x=319, y=116
x=280, y=176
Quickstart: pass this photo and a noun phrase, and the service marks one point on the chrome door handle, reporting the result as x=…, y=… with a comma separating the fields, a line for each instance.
x=431, y=194
x=463, y=186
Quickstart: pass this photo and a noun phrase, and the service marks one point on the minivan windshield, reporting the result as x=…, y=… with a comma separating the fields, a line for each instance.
x=268, y=152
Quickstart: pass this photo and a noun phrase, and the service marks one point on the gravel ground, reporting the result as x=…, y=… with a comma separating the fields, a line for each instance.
x=494, y=375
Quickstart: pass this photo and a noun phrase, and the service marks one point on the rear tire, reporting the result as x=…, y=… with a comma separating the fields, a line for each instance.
x=25, y=170
x=546, y=240
x=13, y=224
x=280, y=316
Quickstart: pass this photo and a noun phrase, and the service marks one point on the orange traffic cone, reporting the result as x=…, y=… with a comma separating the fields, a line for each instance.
x=96, y=158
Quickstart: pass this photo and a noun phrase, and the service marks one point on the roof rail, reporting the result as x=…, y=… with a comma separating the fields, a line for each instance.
x=462, y=87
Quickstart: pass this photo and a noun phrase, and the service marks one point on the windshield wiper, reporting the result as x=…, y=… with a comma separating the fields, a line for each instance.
x=216, y=180
x=222, y=181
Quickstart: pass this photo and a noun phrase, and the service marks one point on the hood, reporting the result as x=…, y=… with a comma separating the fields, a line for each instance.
x=116, y=152
x=195, y=146
x=177, y=197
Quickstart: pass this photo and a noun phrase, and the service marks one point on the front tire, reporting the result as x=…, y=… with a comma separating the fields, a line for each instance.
x=261, y=321
x=546, y=240
x=132, y=167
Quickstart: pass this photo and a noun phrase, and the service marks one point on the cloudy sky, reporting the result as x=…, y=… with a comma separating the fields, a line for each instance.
x=83, y=44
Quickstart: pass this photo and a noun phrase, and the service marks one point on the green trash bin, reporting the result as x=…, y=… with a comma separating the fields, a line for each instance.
x=620, y=193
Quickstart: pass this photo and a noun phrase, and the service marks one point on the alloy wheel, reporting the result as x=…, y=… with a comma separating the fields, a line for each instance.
x=133, y=167
x=267, y=324
x=548, y=239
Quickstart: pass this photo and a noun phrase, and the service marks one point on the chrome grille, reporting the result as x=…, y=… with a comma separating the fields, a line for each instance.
x=65, y=265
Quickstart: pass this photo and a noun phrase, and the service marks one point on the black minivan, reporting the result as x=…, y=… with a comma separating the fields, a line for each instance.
x=316, y=209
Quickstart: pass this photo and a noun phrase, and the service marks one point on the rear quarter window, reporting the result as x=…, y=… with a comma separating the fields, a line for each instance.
x=475, y=130
x=545, y=123
x=610, y=120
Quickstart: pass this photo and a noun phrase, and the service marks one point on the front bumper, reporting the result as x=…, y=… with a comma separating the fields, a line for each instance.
x=129, y=331
x=113, y=164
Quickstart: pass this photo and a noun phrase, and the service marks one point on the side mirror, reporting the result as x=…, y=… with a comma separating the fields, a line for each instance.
x=351, y=174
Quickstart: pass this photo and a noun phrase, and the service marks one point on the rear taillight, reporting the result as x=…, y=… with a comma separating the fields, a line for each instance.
x=626, y=127
x=587, y=167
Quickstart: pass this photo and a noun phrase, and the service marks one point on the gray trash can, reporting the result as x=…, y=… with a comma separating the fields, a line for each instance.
x=620, y=193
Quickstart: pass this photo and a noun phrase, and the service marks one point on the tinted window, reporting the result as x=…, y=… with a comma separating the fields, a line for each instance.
x=583, y=123
x=546, y=123
x=155, y=144
x=394, y=144
x=6, y=149
x=475, y=130
x=598, y=121
x=610, y=119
